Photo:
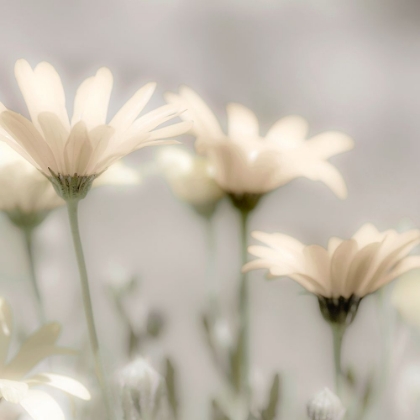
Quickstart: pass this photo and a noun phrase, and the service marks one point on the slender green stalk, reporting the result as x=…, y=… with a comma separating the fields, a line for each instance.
x=72, y=207
x=213, y=287
x=244, y=309
x=28, y=234
x=338, y=331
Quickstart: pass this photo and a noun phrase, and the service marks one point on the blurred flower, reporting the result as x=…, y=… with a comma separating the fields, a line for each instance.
x=341, y=275
x=246, y=163
x=141, y=390
x=27, y=196
x=190, y=178
x=73, y=153
x=325, y=406
x=16, y=388
x=406, y=297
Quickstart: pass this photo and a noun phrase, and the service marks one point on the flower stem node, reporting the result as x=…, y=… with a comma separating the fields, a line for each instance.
x=72, y=187
x=325, y=406
x=339, y=310
x=245, y=202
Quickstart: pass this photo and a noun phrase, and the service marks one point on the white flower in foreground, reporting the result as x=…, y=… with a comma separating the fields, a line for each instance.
x=325, y=406
x=346, y=271
x=246, y=163
x=406, y=297
x=16, y=387
x=86, y=145
x=141, y=390
x=190, y=178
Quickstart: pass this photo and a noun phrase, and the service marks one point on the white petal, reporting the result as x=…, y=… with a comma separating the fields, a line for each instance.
x=25, y=134
x=171, y=130
x=132, y=108
x=205, y=123
x=406, y=265
x=92, y=98
x=326, y=173
x=278, y=240
x=41, y=406
x=55, y=135
x=13, y=391
x=42, y=90
x=288, y=132
x=366, y=234
x=63, y=383
x=340, y=266
x=328, y=144
x=242, y=122
x=78, y=150
x=37, y=347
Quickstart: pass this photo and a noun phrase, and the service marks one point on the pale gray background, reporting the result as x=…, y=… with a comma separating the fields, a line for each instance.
x=350, y=65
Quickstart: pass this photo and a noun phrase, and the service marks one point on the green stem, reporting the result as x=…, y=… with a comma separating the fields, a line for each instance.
x=244, y=309
x=72, y=207
x=28, y=233
x=213, y=287
x=338, y=331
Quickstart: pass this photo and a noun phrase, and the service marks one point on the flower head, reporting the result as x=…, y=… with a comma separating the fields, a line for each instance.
x=325, y=406
x=190, y=178
x=246, y=163
x=16, y=387
x=86, y=145
x=344, y=272
x=27, y=195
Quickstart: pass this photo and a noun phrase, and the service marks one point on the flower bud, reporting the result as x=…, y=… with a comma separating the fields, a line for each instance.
x=325, y=406
x=141, y=391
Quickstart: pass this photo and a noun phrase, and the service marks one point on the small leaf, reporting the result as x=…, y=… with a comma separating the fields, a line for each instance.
x=269, y=413
x=170, y=378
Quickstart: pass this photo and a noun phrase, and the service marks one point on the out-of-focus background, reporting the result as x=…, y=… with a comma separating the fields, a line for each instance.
x=352, y=65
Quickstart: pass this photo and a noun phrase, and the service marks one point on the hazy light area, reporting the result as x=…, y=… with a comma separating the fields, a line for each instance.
x=351, y=66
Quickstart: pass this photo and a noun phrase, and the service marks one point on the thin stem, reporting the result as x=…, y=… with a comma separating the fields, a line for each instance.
x=72, y=206
x=28, y=234
x=213, y=286
x=338, y=331
x=244, y=309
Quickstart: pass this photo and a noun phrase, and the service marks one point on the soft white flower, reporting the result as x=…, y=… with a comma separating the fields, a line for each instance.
x=190, y=177
x=247, y=163
x=16, y=387
x=325, y=406
x=85, y=145
x=357, y=266
x=27, y=194
x=406, y=297
x=141, y=390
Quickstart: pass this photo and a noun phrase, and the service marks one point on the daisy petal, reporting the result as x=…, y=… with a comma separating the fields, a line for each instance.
x=24, y=132
x=242, y=121
x=42, y=90
x=63, y=383
x=41, y=406
x=129, y=112
x=92, y=98
x=288, y=132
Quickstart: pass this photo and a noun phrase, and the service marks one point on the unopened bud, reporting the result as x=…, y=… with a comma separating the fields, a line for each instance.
x=141, y=390
x=325, y=406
